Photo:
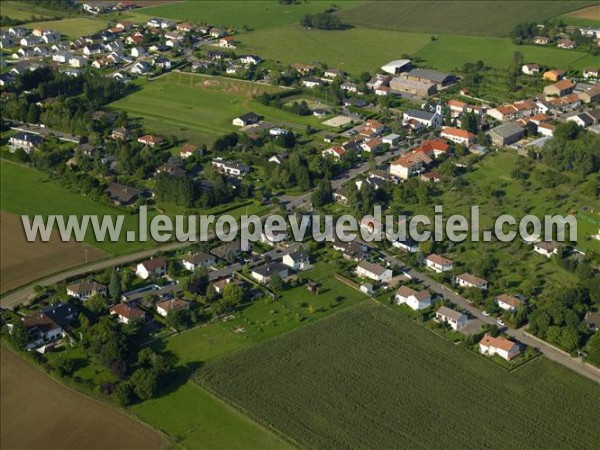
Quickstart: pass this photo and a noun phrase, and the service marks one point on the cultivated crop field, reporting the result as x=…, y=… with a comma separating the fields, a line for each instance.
x=370, y=378
x=37, y=412
x=23, y=262
x=486, y=18
x=73, y=27
x=201, y=108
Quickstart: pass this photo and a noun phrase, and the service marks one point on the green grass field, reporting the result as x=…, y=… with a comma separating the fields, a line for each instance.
x=354, y=50
x=73, y=27
x=201, y=108
x=483, y=18
x=24, y=11
x=415, y=390
x=451, y=52
x=240, y=13
x=192, y=416
x=27, y=191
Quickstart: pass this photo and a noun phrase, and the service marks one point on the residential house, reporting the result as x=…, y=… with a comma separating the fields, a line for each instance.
x=503, y=347
x=188, y=150
x=231, y=168
x=337, y=152
x=546, y=248
x=590, y=95
x=227, y=42
x=252, y=60
x=559, y=89
x=120, y=134
x=311, y=82
x=584, y=119
x=458, y=136
x=264, y=273
x=467, y=280
x=122, y=195
x=138, y=52
x=566, y=44
x=93, y=49
x=508, y=303
x=48, y=325
x=415, y=300
x=455, y=319
x=407, y=244
x=438, y=263
x=530, y=69
x=433, y=148
x=155, y=267
x=366, y=269
x=410, y=165
x=86, y=288
x=553, y=75
x=25, y=141
x=591, y=73
x=229, y=250
x=77, y=61
x=391, y=139
x=220, y=284
x=166, y=307
x=246, y=119
x=297, y=260
x=150, y=140
x=424, y=118
x=126, y=312
x=506, y=134
x=541, y=40
x=592, y=320
x=141, y=68
x=194, y=261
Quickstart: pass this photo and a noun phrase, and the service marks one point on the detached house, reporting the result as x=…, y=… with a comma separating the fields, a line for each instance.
x=410, y=165
x=366, y=269
x=559, y=89
x=530, y=69
x=455, y=319
x=507, y=302
x=25, y=141
x=415, y=300
x=122, y=195
x=85, y=289
x=152, y=267
x=126, y=312
x=150, y=140
x=246, y=119
x=166, y=307
x=438, y=263
x=264, y=273
x=467, y=280
x=297, y=260
x=546, y=248
x=196, y=260
x=505, y=348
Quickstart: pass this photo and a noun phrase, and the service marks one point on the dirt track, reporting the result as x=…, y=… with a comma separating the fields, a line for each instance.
x=22, y=262
x=39, y=413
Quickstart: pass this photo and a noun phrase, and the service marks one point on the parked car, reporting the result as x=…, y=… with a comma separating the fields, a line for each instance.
x=485, y=313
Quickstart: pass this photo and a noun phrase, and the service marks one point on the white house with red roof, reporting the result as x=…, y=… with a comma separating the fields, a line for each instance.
x=508, y=302
x=126, y=312
x=458, y=136
x=468, y=280
x=505, y=348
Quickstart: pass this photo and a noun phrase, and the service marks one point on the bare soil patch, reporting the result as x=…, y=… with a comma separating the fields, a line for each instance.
x=590, y=13
x=38, y=412
x=22, y=262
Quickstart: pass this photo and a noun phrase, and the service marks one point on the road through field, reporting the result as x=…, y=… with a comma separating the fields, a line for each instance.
x=38, y=412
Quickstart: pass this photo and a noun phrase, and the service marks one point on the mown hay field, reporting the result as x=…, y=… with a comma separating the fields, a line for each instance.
x=370, y=378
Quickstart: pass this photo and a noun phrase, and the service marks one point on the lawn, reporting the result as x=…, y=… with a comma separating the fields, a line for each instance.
x=484, y=18
x=73, y=27
x=200, y=108
x=451, y=52
x=354, y=50
x=27, y=191
x=371, y=378
x=240, y=13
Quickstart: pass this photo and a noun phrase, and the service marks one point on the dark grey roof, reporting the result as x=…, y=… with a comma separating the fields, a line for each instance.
x=420, y=114
x=60, y=313
x=270, y=269
x=507, y=130
x=432, y=75
x=122, y=193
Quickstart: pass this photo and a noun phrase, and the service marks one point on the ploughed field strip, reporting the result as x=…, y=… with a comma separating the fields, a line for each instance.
x=370, y=378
